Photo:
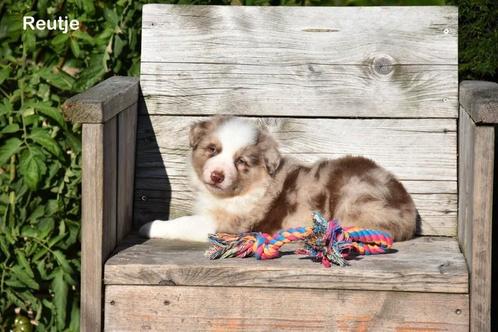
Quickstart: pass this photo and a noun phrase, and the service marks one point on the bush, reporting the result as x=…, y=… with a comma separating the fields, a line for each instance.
x=478, y=39
x=40, y=153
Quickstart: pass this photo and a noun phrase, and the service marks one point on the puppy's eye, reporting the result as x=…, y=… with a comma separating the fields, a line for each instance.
x=240, y=162
x=211, y=148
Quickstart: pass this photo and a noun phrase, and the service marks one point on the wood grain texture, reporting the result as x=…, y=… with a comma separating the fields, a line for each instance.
x=127, y=129
x=425, y=264
x=110, y=185
x=103, y=101
x=299, y=61
x=480, y=100
x=477, y=148
x=98, y=220
x=466, y=143
x=482, y=236
x=270, y=309
x=420, y=152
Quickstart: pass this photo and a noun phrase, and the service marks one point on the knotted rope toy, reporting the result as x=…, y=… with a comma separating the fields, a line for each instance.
x=326, y=242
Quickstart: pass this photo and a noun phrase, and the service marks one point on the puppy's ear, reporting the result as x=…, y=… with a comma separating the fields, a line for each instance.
x=197, y=130
x=271, y=155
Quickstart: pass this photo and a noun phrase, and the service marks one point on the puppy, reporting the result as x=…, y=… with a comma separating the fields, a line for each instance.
x=244, y=184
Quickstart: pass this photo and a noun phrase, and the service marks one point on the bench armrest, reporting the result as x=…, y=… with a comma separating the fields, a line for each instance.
x=102, y=102
x=477, y=148
x=108, y=113
x=480, y=100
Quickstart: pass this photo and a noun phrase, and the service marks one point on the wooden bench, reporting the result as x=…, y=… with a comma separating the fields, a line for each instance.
x=375, y=81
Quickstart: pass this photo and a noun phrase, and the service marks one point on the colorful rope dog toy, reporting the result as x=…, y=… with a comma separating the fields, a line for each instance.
x=326, y=242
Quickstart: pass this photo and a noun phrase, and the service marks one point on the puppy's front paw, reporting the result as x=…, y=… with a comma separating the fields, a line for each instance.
x=147, y=230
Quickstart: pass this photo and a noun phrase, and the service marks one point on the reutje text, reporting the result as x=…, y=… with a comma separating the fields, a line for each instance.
x=61, y=24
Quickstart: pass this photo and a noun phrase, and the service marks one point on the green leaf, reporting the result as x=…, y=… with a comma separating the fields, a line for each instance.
x=60, y=289
x=4, y=74
x=29, y=40
x=23, y=276
x=37, y=213
x=118, y=45
x=10, y=147
x=9, y=129
x=75, y=48
x=111, y=16
x=32, y=169
x=74, y=324
x=63, y=262
x=60, y=80
x=45, y=227
x=59, y=40
x=21, y=258
x=52, y=112
x=82, y=35
x=42, y=137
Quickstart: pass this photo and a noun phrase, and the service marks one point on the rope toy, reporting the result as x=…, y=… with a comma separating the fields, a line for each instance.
x=326, y=242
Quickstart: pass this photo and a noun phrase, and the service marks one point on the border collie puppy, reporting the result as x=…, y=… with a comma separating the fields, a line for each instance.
x=244, y=184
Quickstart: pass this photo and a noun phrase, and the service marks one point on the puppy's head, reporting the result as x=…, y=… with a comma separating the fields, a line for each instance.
x=232, y=155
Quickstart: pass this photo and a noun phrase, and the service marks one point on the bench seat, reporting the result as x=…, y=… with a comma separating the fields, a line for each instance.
x=428, y=273
x=424, y=264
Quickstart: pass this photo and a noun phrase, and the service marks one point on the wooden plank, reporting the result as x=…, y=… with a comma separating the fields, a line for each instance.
x=477, y=149
x=421, y=153
x=466, y=145
x=482, y=235
x=103, y=101
x=222, y=34
x=98, y=216
x=127, y=128
x=269, y=309
x=292, y=61
x=300, y=90
x=425, y=264
x=110, y=185
x=480, y=100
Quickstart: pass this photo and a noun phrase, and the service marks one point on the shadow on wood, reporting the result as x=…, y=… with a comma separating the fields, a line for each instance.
x=149, y=155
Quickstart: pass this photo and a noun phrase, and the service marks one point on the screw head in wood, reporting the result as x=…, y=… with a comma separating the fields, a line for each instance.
x=458, y=311
x=446, y=31
x=143, y=198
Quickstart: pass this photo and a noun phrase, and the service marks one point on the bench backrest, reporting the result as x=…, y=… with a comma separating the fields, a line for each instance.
x=375, y=81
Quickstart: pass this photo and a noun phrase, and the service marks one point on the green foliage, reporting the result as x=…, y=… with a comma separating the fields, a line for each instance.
x=40, y=153
x=478, y=39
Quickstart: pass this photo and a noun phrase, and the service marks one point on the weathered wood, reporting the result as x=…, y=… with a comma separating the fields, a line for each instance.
x=299, y=61
x=300, y=90
x=477, y=146
x=267, y=309
x=411, y=35
x=127, y=128
x=109, y=187
x=98, y=220
x=103, y=101
x=466, y=145
x=420, y=152
x=426, y=264
x=438, y=212
x=480, y=100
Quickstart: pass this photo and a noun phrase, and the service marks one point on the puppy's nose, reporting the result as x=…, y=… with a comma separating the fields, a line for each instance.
x=217, y=177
